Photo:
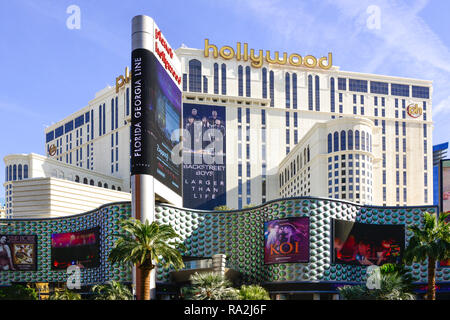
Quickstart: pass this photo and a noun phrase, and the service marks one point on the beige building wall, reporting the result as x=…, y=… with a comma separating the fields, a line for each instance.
x=53, y=197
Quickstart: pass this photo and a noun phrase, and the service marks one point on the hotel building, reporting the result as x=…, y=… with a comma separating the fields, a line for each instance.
x=368, y=136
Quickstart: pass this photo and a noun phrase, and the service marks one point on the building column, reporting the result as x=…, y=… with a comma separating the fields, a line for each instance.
x=218, y=263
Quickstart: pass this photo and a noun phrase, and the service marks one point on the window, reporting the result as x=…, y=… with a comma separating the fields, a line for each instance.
x=272, y=88
x=25, y=171
x=356, y=140
x=317, y=93
x=294, y=90
x=379, y=87
x=247, y=82
x=216, y=78
x=288, y=90
x=184, y=82
x=240, y=81
x=332, y=97
x=420, y=92
x=205, y=84
x=224, y=79
x=195, y=75
x=350, y=139
x=336, y=141
x=357, y=85
x=264, y=83
x=330, y=146
x=400, y=90
x=343, y=142
x=342, y=84
x=310, y=93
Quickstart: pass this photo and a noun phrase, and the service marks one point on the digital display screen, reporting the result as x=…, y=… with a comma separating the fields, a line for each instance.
x=367, y=244
x=80, y=248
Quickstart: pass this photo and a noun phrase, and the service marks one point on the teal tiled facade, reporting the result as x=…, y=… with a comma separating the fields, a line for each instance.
x=237, y=234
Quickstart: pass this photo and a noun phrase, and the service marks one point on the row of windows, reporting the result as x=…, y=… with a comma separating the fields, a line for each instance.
x=16, y=172
x=302, y=158
x=378, y=87
x=99, y=183
x=344, y=141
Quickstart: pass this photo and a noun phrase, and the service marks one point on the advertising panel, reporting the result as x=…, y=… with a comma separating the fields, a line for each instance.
x=286, y=240
x=18, y=253
x=367, y=244
x=80, y=248
x=156, y=114
x=445, y=185
x=204, y=156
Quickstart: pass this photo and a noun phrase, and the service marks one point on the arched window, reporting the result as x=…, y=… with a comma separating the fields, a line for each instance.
x=240, y=81
x=356, y=139
x=14, y=172
x=304, y=156
x=195, y=75
x=343, y=142
x=363, y=140
x=19, y=172
x=350, y=139
x=367, y=142
x=91, y=182
x=264, y=83
x=294, y=90
x=370, y=142
x=317, y=93
x=119, y=189
x=105, y=186
x=85, y=181
x=25, y=171
x=248, y=81
x=336, y=141
x=224, y=79
x=272, y=88
x=99, y=184
x=216, y=78
x=310, y=93
x=308, y=153
x=287, y=89
x=330, y=143
x=113, y=187
x=332, y=99
x=10, y=173
x=77, y=179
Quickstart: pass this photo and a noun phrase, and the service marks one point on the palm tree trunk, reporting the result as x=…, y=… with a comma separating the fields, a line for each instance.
x=431, y=293
x=145, y=283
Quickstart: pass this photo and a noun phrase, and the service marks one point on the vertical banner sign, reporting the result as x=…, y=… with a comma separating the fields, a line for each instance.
x=156, y=101
x=204, y=156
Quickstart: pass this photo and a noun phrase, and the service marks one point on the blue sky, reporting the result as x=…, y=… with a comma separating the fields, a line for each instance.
x=50, y=71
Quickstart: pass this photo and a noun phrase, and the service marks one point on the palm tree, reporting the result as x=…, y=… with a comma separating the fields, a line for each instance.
x=253, y=292
x=113, y=290
x=432, y=243
x=64, y=294
x=146, y=245
x=210, y=286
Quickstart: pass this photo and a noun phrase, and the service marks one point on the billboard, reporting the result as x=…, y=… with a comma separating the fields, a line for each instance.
x=445, y=185
x=204, y=156
x=286, y=240
x=156, y=113
x=80, y=248
x=367, y=244
x=18, y=253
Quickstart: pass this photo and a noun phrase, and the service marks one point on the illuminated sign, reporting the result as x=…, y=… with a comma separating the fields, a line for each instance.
x=123, y=79
x=414, y=110
x=296, y=60
x=52, y=150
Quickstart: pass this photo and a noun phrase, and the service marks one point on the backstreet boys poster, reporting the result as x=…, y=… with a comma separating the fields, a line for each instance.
x=18, y=253
x=204, y=156
x=286, y=240
x=367, y=244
